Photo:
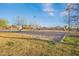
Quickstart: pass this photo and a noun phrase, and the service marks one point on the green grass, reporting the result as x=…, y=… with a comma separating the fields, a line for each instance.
x=72, y=40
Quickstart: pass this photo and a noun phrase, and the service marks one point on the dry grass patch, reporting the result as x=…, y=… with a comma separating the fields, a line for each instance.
x=26, y=45
x=14, y=35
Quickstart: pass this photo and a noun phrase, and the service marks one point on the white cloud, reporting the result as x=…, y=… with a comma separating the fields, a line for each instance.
x=52, y=14
x=47, y=7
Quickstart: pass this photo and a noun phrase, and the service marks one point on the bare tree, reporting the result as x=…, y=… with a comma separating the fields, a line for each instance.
x=20, y=22
x=72, y=13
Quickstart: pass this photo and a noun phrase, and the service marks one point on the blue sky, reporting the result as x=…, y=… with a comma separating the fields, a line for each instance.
x=46, y=14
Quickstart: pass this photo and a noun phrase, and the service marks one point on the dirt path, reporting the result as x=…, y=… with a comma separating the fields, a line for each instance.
x=54, y=36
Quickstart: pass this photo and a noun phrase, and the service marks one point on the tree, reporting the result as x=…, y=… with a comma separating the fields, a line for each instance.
x=65, y=27
x=17, y=22
x=68, y=12
x=72, y=13
x=20, y=21
x=3, y=23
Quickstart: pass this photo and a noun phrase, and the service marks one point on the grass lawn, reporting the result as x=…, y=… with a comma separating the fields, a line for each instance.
x=14, y=44
x=74, y=42
x=73, y=39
